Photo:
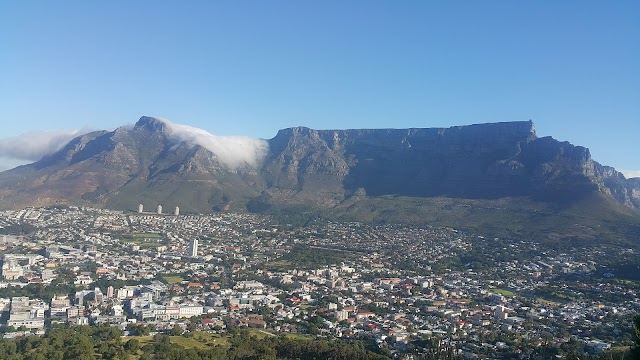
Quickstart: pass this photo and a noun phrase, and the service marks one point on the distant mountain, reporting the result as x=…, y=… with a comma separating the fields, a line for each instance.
x=375, y=174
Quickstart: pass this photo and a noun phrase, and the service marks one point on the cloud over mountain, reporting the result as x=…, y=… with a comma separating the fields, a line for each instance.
x=33, y=146
x=234, y=151
x=630, y=173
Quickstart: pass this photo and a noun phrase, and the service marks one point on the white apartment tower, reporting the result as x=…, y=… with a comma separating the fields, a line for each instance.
x=193, y=248
x=140, y=209
x=177, y=211
x=159, y=211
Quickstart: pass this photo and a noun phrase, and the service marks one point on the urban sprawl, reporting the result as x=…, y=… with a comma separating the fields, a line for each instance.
x=391, y=284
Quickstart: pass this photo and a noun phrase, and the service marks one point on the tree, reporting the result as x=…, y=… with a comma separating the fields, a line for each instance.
x=132, y=345
x=143, y=330
x=176, y=331
x=10, y=329
x=192, y=326
x=636, y=329
x=635, y=350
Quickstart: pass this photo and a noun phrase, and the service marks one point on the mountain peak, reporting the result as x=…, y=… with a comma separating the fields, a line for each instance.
x=150, y=123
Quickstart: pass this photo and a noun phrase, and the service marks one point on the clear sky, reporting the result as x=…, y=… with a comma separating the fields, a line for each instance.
x=253, y=67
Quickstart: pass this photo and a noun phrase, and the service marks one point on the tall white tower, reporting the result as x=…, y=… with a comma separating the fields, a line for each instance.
x=159, y=209
x=140, y=209
x=193, y=248
x=177, y=211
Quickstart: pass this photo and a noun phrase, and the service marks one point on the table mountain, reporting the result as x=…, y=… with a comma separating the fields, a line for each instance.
x=485, y=161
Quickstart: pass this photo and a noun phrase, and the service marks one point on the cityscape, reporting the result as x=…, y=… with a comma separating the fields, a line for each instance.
x=393, y=286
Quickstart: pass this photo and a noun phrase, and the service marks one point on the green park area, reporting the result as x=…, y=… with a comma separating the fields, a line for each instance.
x=173, y=279
x=502, y=292
x=147, y=235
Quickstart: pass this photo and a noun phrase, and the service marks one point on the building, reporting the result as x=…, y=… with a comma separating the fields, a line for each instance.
x=190, y=310
x=140, y=209
x=117, y=310
x=26, y=312
x=342, y=315
x=98, y=296
x=80, y=297
x=59, y=306
x=193, y=248
x=177, y=211
x=501, y=312
x=159, y=211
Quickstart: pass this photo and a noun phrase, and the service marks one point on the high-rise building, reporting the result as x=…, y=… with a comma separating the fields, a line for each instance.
x=79, y=298
x=98, y=296
x=140, y=209
x=110, y=292
x=177, y=211
x=159, y=211
x=193, y=248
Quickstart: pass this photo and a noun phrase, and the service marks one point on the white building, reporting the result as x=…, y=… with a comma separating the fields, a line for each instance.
x=342, y=315
x=193, y=248
x=117, y=310
x=140, y=209
x=159, y=210
x=125, y=292
x=190, y=310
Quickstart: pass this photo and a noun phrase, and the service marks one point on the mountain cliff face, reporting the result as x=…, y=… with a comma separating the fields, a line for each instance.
x=486, y=161
x=319, y=168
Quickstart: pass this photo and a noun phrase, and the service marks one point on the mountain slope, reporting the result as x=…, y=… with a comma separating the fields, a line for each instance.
x=121, y=169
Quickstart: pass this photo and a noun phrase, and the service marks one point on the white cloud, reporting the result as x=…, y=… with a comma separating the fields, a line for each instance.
x=234, y=151
x=33, y=146
x=630, y=173
x=9, y=163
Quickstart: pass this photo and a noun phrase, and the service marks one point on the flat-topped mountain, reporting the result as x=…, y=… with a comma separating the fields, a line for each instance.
x=485, y=161
x=338, y=170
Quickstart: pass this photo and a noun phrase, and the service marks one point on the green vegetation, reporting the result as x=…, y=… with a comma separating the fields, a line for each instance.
x=173, y=279
x=103, y=342
x=146, y=236
x=18, y=229
x=635, y=350
x=545, y=301
x=503, y=292
x=39, y=291
x=306, y=257
x=142, y=243
x=80, y=342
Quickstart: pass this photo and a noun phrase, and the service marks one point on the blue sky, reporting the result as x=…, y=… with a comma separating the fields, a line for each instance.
x=253, y=67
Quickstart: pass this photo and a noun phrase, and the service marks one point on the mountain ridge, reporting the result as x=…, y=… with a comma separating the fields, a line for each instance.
x=335, y=171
